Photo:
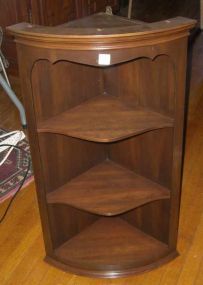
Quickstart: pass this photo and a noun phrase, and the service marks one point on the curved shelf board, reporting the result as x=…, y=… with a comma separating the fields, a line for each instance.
x=100, y=251
x=108, y=189
x=110, y=30
x=57, y=262
x=104, y=119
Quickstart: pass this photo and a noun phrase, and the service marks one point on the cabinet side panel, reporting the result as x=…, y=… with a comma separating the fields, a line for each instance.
x=26, y=58
x=180, y=58
x=149, y=154
x=66, y=222
x=61, y=86
x=152, y=218
x=156, y=86
x=122, y=80
x=63, y=158
x=144, y=82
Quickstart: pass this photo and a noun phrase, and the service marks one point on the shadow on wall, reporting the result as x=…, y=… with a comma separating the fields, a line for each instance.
x=151, y=10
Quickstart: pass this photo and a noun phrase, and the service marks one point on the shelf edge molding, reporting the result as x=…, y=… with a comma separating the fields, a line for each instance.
x=128, y=33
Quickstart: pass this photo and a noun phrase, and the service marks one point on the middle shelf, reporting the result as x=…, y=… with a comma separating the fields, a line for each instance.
x=108, y=189
x=104, y=119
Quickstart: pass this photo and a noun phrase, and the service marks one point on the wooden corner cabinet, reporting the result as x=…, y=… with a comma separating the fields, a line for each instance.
x=105, y=106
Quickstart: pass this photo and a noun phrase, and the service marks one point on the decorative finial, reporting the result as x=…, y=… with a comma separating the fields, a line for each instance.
x=109, y=10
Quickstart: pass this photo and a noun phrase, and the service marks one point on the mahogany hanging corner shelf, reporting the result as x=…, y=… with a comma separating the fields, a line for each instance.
x=105, y=98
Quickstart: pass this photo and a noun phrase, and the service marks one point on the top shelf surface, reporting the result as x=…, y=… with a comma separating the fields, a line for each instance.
x=101, y=31
x=103, y=24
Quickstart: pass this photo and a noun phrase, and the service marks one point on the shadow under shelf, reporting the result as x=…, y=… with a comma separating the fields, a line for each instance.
x=104, y=119
x=108, y=189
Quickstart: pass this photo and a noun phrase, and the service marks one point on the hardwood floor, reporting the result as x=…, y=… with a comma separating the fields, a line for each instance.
x=21, y=246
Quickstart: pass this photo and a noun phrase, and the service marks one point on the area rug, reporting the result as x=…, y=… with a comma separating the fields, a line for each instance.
x=13, y=169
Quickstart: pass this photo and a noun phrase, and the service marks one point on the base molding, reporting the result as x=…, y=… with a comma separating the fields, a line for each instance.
x=111, y=274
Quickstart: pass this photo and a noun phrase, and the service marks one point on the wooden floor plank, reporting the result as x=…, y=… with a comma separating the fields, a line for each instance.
x=199, y=277
x=191, y=265
x=39, y=269
x=15, y=226
x=18, y=254
x=26, y=264
x=7, y=229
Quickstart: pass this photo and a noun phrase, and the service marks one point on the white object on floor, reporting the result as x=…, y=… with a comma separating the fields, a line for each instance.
x=15, y=138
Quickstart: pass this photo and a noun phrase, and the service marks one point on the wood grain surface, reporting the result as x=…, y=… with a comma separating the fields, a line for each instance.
x=22, y=247
x=108, y=189
x=78, y=133
x=111, y=243
x=104, y=119
x=112, y=30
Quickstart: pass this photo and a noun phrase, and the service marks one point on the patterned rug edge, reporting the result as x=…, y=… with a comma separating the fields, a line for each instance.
x=12, y=192
x=24, y=144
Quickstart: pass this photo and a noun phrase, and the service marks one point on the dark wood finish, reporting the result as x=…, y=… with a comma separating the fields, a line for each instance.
x=63, y=231
x=111, y=244
x=94, y=28
x=152, y=158
x=108, y=189
x=54, y=12
x=24, y=213
x=149, y=219
x=82, y=115
x=104, y=119
x=82, y=155
x=107, y=274
x=152, y=155
x=64, y=76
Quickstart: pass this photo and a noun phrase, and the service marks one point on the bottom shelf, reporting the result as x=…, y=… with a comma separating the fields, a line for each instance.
x=110, y=246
